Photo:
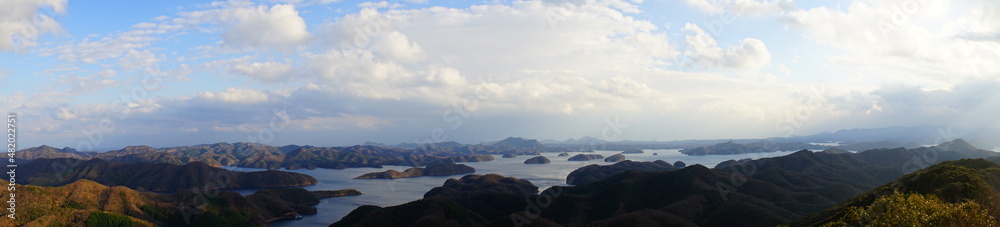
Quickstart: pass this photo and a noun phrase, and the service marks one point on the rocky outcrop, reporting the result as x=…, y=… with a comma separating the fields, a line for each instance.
x=509, y=155
x=537, y=160
x=563, y=154
x=680, y=164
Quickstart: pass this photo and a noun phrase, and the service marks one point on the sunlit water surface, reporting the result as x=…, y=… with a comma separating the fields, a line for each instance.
x=389, y=192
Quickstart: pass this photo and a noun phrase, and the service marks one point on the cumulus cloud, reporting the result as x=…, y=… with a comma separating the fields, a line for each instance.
x=526, y=68
x=593, y=38
x=278, y=26
x=268, y=72
x=927, y=43
x=235, y=95
x=743, y=7
x=21, y=22
x=751, y=54
x=128, y=44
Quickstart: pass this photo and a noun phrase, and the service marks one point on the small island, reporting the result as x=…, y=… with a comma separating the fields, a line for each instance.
x=335, y=193
x=430, y=170
x=537, y=160
x=586, y=157
x=509, y=155
x=727, y=148
x=615, y=158
x=563, y=154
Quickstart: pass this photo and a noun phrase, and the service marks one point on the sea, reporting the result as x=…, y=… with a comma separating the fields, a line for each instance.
x=390, y=192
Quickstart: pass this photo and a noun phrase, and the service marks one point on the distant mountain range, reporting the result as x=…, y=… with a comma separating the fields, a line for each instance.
x=861, y=139
x=254, y=155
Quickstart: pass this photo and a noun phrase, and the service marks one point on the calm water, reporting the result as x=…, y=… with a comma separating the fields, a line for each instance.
x=389, y=192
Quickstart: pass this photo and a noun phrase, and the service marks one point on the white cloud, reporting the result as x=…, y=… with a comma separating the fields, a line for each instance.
x=751, y=54
x=21, y=23
x=65, y=114
x=235, y=95
x=395, y=45
x=221, y=129
x=130, y=44
x=268, y=72
x=512, y=69
x=929, y=43
x=743, y=7
x=278, y=26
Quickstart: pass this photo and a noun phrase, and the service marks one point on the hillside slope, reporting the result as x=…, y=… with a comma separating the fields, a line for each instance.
x=88, y=203
x=154, y=177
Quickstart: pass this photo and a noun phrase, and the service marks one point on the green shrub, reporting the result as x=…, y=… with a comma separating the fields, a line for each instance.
x=101, y=219
x=915, y=210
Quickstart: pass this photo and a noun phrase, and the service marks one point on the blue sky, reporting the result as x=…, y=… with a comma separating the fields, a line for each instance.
x=163, y=73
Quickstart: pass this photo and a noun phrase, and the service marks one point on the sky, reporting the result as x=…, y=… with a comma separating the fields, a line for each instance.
x=101, y=76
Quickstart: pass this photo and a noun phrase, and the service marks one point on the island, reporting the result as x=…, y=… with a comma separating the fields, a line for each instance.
x=586, y=157
x=537, y=160
x=615, y=158
x=443, y=169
